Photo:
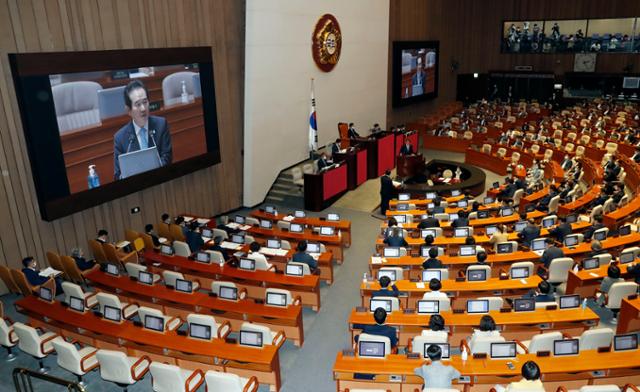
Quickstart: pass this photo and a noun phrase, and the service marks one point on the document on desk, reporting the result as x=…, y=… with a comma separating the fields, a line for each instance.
x=203, y=221
x=288, y=218
x=396, y=183
x=230, y=245
x=376, y=260
x=594, y=275
x=48, y=272
x=273, y=252
x=188, y=218
x=315, y=256
x=420, y=285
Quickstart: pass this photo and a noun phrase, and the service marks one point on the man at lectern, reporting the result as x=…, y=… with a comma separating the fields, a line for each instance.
x=407, y=148
x=144, y=131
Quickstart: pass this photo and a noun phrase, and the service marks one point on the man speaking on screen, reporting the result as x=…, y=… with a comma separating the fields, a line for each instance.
x=143, y=132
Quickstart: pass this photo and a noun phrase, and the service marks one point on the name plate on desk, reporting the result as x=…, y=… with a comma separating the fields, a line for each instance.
x=155, y=105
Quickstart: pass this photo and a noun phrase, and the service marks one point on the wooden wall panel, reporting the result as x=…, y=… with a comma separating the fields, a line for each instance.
x=76, y=25
x=470, y=32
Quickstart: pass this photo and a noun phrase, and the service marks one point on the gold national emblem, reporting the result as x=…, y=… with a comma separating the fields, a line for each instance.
x=326, y=43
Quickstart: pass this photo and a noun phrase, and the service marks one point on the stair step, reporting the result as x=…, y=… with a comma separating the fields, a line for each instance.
x=273, y=198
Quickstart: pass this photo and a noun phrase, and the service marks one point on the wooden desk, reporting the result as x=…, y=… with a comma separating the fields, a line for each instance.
x=585, y=282
x=629, y=318
x=422, y=203
x=486, y=161
x=445, y=143
x=615, y=218
x=476, y=222
x=580, y=203
x=169, y=347
x=461, y=291
x=343, y=225
x=514, y=325
x=175, y=303
x=255, y=282
x=324, y=188
x=409, y=165
x=333, y=243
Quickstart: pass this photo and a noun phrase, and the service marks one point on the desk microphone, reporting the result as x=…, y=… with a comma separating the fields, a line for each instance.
x=131, y=139
x=153, y=137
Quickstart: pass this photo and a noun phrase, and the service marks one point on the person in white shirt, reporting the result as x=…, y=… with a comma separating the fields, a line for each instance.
x=434, y=290
x=530, y=380
x=254, y=253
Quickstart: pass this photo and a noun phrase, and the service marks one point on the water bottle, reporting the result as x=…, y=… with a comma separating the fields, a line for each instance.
x=93, y=181
x=364, y=278
x=184, y=97
x=221, y=263
x=464, y=354
x=584, y=304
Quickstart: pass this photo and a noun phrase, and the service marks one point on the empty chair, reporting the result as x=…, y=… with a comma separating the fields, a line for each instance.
x=486, y=148
x=170, y=278
x=603, y=258
x=482, y=344
x=78, y=362
x=501, y=152
x=217, y=286
x=54, y=261
x=539, y=342
x=553, y=204
x=74, y=290
x=106, y=299
x=441, y=216
x=171, y=378
x=548, y=154
x=599, y=143
x=515, y=158
x=611, y=147
x=397, y=271
x=216, y=256
x=134, y=270
x=177, y=84
x=585, y=139
x=131, y=235
x=535, y=149
x=599, y=388
x=580, y=151
x=593, y=339
x=569, y=147
x=284, y=244
x=76, y=105
x=558, y=271
x=219, y=331
x=283, y=225
x=495, y=303
x=468, y=135
x=117, y=367
x=229, y=382
x=268, y=336
x=8, y=338
x=38, y=346
x=119, y=259
x=181, y=248
x=220, y=233
x=7, y=278
x=607, y=206
x=170, y=323
x=597, y=210
x=111, y=102
x=572, y=136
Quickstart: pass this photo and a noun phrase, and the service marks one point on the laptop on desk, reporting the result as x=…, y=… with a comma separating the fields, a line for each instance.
x=140, y=161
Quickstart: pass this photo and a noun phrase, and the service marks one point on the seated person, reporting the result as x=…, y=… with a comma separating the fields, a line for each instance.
x=461, y=221
x=561, y=230
x=82, y=263
x=32, y=273
x=634, y=272
x=434, y=290
x=407, y=148
x=530, y=232
x=428, y=222
x=552, y=252
x=543, y=294
x=481, y=258
x=217, y=246
x=472, y=241
x=183, y=225
x=613, y=276
x=486, y=328
x=500, y=235
x=335, y=147
x=301, y=256
x=530, y=380
x=597, y=224
x=428, y=242
x=323, y=162
x=436, y=375
x=432, y=261
x=254, y=253
x=194, y=238
x=391, y=223
x=103, y=236
x=596, y=248
x=384, y=288
x=148, y=229
x=380, y=316
x=396, y=239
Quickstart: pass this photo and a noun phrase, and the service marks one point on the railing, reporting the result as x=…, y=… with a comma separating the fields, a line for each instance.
x=22, y=381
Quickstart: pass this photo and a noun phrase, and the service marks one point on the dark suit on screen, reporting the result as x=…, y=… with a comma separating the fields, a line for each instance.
x=386, y=193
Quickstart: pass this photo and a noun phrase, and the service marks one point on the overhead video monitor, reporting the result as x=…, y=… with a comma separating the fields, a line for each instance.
x=415, y=71
x=476, y=275
x=154, y=323
x=184, y=286
x=227, y=292
x=112, y=313
x=429, y=274
x=524, y=304
x=467, y=250
x=569, y=301
x=296, y=228
x=251, y=338
x=566, y=347
x=391, y=274
x=276, y=299
x=461, y=232
x=370, y=349
x=76, y=303
x=478, y=306
x=428, y=306
x=200, y=331
x=519, y=272
x=247, y=264
x=444, y=348
x=503, y=350
x=391, y=252
x=625, y=342
x=375, y=303
x=203, y=257
x=404, y=197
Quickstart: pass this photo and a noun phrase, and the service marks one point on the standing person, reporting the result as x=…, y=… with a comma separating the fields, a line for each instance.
x=386, y=192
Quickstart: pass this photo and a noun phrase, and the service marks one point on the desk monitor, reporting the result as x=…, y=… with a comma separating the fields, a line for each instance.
x=111, y=102
x=429, y=274
x=627, y=257
x=200, y=331
x=276, y=299
x=461, y=232
x=569, y=301
x=624, y=230
x=476, y=275
x=478, y=306
x=402, y=207
x=154, y=323
x=299, y=214
x=571, y=218
x=566, y=347
x=237, y=238
x=428, y=306
x=590, y=263
x=424, y=250
x=145, y=277
x=625, y=342
x=269, y=209
x=529, y=208
x=45, y=294
x=453, y=217
x=548, y=222
x=431, y=195
x=519, y=226
x=247, y=264
x=185, y=286
x=437, y=210
x=524, y=304
x=483, y=214
x=203, y=257
x=273, y=243
x=495, y=185
x=294, y=270
x=400, y=218
x=455, y=192
x=426, y=232
x=112, y=313
x=375, y=303
x=431, y=205
x=404, y=196
x=371, y=349
x=251, y=338
x=487, y=200
x=139, y=161
x=463, y=204
x=519, y=272
x=503, y=350
x=506, y=211
x=467, y=250
x=391, y=252
x=489, y=230
x=166, y=250
x=207, y=233
x=571, y=240
x=391, y=274
x=296, y=228
x=313, y=247
x=112, y=269
x=444, y=347
x=505, y=248
x=239, y=219
x=600, y=235
x=539, y=244
x=324, y=230
x=333, y=217
x=227, y=292
x=76, y=303
x=266, y=224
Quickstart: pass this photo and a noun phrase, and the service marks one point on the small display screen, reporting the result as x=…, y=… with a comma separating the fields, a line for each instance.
x=299, y=214
x=519, y=273
x=467, y=250
x=429, y=307
x=185, y=286
x=371, y=349
x=112, y=269
x=227, y=292
x=461, y=232
x=294, y=269
x=296, y=228
x=203, y=257
x=112, y=313
x=524, y=304
x=519, y=226
x=239, y=219
x=199, y=331
x=333, y=217
x=273, y=244
x=251, y=338
x=625, y=342
x=380, y=303
x=237, y=238
x=247, y=264
x=569, y=301
x=566, y=347
x=590, y=263
x=391, y=252
x=45, y=294
x=265, y=224
x=276, y=299
x=154, y=323
x=313, y=247
x=571, y=240
x=391, y=274
x=429, y=274
x=166, y=250
x=76, y=303
x=505, y=248
x=476, y=275
x=207, y=233
x=503, y=350
x=145, y=277
x=478, y=306
x=444, y=347
x=539, y=244
x=548, y=222
x=404, y=196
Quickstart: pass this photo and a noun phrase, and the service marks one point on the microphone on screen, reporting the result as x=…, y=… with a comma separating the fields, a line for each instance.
x=131, y=139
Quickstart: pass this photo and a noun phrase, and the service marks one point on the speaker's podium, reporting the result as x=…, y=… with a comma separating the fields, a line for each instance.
x=410, y=165
x=138, y=161
x=379, y=146
x=356, y=160
x=324, y=188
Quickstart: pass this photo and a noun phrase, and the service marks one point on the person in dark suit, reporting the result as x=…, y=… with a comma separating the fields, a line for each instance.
x=323, y=162
x=32, y=273
x=391, y=224
x=335, y=147
x=103, y=236
x=407, y=148
x=530, y=232
x=428, y=222
x=461, y=221
x=612, y=170
x=386, y=191
x=509, y=189
x=562, y=230
x=380, y=316
x=566, y=163
x=396, y=239
x=597, y=224
x=83, y=264
x=144, y=131
x=432, y=261
x=148, y=229
x=636, y=156
x=301, y=256
x=552, y=252
x=543, y=294
x=194, y=238
x=352, y=132
x=217, y=240
x=384, y=288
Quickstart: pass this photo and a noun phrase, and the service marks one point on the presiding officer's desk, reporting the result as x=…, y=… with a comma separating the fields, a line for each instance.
x=586, y=282
x=460, y=291
x=513, y=325
x=188, y=353
x=629, y=317
x=175, y=303
x=343, y=225
x=574, y=371
x=255, y=282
